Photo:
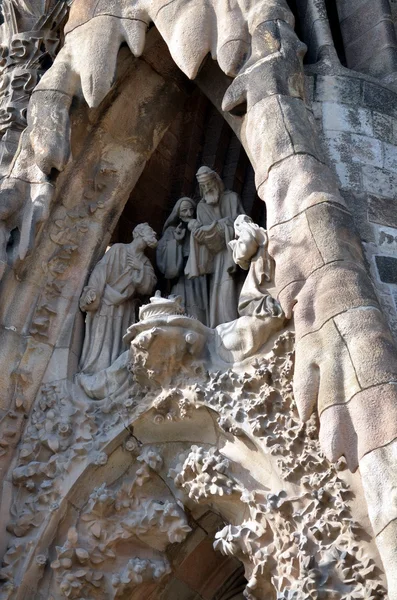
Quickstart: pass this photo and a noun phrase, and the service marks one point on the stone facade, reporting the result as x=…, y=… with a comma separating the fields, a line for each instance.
x=357, y=119
x=215, y=419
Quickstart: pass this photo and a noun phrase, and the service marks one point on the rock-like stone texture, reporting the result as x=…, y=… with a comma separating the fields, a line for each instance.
x=84, y=149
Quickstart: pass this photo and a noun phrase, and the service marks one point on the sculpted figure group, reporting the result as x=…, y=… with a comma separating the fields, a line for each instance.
x=200, y=252
x=194, y=251
x=345, y=355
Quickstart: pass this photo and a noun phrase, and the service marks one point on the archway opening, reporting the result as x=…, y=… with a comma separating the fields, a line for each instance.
x=199, y=135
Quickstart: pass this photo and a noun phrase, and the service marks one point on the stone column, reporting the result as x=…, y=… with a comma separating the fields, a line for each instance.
x=369, y=37
x=346, y=359
x=316, y=31
x=40, y=295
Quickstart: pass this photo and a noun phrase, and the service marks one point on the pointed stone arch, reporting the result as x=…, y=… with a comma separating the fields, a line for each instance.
x=278, y=131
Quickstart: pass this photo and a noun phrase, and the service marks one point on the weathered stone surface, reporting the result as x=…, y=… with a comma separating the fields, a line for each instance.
x=294, y=242
x=204, y=420
x=387, y=541
x=377, y=471
x=363, y=16
x=359, y=205
x=382, y=210
x=387, y=268
x=323, y=380
x=352, y=430
x=345, y=246
x=379, y=181
x=372, y=21
x=340, y=117
x=383, y=127
x=379, y=99
x=347, y=9
x=276, y=128
x=345, y=90
x=390, y=157
x=296, y=184
x=378, y=366
x=313, y=310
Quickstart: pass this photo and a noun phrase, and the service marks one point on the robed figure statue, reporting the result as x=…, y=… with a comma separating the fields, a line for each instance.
x=209, y=250
x=250, y=252
x=110, y=298
x=172, y=255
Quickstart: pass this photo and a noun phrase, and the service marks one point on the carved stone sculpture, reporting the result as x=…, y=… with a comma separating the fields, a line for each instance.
x=109, y=299
x=250, y=252
x=220, y=414
x=29, y=36
x=260, y=314
x=172, y=256
x=209, y=250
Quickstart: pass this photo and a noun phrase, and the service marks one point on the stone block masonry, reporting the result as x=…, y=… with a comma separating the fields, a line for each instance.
x=358, y=124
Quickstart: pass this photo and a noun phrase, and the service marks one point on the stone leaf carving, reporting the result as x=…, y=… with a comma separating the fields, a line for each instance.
x=133, y=512
x=302, y=538
x=249, y=540
x=60, y=431
x=204, y=474
x=294, y=544
x=301, y=547
x=140, y=570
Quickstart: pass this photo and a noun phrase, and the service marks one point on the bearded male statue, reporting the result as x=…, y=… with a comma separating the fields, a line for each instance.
x=209, y=250
x=109, y=299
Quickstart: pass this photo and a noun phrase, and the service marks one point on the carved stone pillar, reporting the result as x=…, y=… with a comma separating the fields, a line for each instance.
x=369, y=37
x=345, y=355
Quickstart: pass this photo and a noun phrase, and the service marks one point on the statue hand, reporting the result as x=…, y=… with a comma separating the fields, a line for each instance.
x=91, y=297
x=87, y=300
x=136, y=265
x=179, y=233
x=199, y=235
x=193, y=224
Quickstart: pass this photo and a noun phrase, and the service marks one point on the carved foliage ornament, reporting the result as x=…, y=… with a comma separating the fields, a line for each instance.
x=132, y=512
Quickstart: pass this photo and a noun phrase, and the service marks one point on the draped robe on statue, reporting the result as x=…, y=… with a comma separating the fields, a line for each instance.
x=214, y=257
x=172, y=257
x=260, y=314
x=115, y=284
x=250, y=253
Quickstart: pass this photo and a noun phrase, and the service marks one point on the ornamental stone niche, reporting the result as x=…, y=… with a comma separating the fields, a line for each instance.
x=209, y=413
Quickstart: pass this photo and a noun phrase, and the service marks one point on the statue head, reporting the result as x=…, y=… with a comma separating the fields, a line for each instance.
x=245, y=227
x=144, y=232
x=242, y=223
x=186, y=209
x=211, y=185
